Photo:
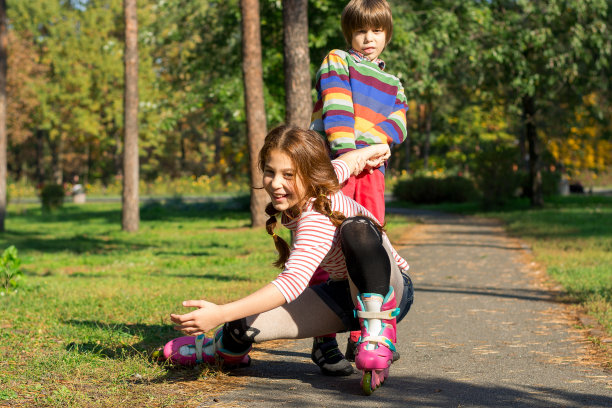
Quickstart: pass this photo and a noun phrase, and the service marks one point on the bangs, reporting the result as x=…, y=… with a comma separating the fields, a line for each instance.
x=364, y=14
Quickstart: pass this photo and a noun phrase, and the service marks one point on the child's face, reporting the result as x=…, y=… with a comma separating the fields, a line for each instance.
x=369, y=41
x=281, y=182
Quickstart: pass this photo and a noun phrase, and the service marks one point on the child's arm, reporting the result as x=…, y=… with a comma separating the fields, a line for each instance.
x=334, y=108
x=367, y=158
x=208, y=315
x=394, y=128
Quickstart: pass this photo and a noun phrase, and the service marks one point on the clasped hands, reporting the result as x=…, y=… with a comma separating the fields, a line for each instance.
x=367, y=158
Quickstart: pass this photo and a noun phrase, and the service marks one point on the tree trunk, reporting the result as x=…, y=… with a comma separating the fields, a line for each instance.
x=535, y=175
x=298, y=99
x=252, y=72
x=40, y=155
x=131, y=211
x=3, y=136
x=426, y=116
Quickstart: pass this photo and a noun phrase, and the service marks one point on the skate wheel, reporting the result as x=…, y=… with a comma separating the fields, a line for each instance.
x=366, y=383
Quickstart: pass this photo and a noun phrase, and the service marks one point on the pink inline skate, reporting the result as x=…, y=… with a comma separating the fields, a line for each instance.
x=377, y=342
x=190, y=350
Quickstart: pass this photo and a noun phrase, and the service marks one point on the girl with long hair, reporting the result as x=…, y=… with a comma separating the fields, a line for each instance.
x=368, y=289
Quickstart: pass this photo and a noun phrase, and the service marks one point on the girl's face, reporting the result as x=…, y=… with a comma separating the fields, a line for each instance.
x=281, y=182
x=369, y=41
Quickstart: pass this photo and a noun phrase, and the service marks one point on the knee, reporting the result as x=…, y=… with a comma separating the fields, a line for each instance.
x=359, y=232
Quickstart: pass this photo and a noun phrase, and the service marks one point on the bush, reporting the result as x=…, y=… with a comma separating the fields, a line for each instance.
x=550, y=184
x=430, y=190
x=52, y=197
x=496, y=178
x=10, y=274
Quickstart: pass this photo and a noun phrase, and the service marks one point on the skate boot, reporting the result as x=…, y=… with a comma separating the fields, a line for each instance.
x=377, y=342
x=189, y=351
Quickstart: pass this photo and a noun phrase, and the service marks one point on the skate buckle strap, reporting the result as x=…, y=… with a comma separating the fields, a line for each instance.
x=199, y=345
x=385, y=314
x=379, y=339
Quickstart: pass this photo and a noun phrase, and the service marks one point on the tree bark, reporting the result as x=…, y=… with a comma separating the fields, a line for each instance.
x=298, y=99
x=252, y=72
x=3, y=136
x=535, y=174
x=130, y=210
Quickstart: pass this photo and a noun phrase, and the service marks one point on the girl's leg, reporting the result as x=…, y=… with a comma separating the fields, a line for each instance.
x=307, y=316
x=369, y=265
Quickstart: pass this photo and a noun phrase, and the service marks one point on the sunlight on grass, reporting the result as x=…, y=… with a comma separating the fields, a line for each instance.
x=96, y=301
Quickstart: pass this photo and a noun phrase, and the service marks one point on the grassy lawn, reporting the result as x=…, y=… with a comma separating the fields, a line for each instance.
x=95, y=300
x=572, y=237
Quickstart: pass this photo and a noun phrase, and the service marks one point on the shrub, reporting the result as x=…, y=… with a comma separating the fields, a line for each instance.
x=430, y=190
x=10, y=274
x=550, y=183
x=52, y=197
x=496, y=178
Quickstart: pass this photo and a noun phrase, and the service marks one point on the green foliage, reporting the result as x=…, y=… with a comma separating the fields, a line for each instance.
x=495, y=170
x=431, y=190
x=10, y=272
x=550, y=183
x=52, y=196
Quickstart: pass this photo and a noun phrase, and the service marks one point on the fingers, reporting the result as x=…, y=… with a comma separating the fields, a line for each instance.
x=194, y=303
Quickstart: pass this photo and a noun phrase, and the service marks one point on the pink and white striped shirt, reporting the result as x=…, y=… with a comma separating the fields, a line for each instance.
x=315, y=242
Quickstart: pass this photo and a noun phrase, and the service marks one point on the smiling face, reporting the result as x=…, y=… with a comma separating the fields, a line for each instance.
x=281, y=182
x=369, y=41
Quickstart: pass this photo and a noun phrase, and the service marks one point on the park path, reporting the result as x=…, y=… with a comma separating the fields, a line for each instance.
x=484, y=331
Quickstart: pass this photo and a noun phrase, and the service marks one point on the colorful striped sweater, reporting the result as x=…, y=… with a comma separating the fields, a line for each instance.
x=358, y=104
x=315, y=242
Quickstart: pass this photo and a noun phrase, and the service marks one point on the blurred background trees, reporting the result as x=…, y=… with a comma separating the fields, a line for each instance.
x=529, y=78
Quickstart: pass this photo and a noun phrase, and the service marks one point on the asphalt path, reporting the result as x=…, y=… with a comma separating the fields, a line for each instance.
x=486, y=330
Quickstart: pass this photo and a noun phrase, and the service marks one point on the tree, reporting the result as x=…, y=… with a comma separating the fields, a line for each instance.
x=3, y=137
x=130, y=210
x=252, y=72
x=538, y=53
x=298, y=98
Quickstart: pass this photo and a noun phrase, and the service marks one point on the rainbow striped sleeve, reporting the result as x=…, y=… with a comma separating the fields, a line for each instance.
x=333, y=114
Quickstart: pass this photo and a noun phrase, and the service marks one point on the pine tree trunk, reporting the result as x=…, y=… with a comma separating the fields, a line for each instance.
x=298, y=99
x=254, y=103
x=535, y=174
x=131, y=211
x=3, y=136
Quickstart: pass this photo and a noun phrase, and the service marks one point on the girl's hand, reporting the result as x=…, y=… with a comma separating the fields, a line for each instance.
x=206, y=317
x=367, y=158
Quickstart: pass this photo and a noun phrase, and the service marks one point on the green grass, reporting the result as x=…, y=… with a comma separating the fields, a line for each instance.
x=95, y=300
x=572, y=236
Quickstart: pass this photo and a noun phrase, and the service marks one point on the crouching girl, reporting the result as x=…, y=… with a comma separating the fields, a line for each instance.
x=368, y=289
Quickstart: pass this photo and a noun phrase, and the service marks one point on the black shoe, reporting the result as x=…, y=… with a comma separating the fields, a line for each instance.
x=329, y=358
x=351, y=349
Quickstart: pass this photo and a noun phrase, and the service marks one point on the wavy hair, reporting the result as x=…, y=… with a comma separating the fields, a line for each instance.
x=310, y=156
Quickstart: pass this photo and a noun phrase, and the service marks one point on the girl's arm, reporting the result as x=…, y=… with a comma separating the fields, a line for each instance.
x=367, y=158
x=208, y=315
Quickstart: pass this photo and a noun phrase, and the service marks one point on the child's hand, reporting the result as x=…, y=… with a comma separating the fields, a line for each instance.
x=380, y=154
x=205, y=318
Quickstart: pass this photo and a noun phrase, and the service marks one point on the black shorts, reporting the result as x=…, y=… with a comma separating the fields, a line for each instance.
x=337, y=295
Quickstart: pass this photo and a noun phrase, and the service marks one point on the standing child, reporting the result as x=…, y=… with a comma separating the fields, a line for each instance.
x=358, y=105
x=331, y=231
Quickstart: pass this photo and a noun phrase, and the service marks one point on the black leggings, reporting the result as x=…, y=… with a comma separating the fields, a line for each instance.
x=367, y=263
x=366, y=259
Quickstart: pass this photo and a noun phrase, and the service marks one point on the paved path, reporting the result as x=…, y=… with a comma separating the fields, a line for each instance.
x=483, y=332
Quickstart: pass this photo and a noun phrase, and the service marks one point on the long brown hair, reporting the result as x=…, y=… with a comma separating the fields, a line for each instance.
x=310, y=156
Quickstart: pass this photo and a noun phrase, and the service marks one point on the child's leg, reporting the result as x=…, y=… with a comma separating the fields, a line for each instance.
x=368, y=190
x=307, y=316
x=370, y=269
x=325, y=351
